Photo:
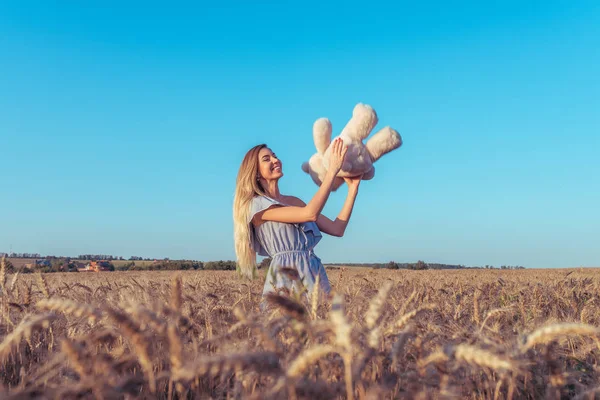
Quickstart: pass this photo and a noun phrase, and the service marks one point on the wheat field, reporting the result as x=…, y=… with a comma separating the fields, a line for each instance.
x=382, y=334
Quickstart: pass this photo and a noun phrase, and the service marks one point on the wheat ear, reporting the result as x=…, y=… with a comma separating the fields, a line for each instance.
x=43, y=285
x=70, y=307
x=342, y=333
x=549, y=333
x=407, y=317
x=493, y=312
x=376, y=305
x=314, y=298
x=307, y=357
x=24, y=330
x=14, y=282
x=176, y=292
x=3, y=274
x=482, y=358
x=140, y=344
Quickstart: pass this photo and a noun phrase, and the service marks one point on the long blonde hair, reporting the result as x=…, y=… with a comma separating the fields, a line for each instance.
x=247, y=187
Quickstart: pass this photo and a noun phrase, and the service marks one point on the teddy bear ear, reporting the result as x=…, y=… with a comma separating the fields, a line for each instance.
x=305, y=166
x=322, y=134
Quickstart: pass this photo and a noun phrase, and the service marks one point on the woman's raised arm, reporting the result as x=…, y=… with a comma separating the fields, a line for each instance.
x=310, y=212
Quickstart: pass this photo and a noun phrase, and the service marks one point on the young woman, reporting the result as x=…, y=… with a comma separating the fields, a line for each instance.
x=284, y=227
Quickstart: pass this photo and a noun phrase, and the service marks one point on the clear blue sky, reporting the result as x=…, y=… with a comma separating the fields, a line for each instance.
x=122, y=127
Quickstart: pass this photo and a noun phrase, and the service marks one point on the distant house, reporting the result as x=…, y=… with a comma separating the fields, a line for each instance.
x=43, y=263
x=96, y=266
x=81, y=267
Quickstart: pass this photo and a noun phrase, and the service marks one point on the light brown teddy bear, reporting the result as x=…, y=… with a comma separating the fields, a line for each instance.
x=360, y=157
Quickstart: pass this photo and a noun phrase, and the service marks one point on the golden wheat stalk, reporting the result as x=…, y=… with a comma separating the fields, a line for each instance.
x=437, y=357
x=307, y=357
x=3, y=274
x=586, y=311
x=176, y=292
x=494, y=312
x=146, y=317
x=84, y=287
x=476, y=311
x=287, y=305
x=43, y=285
x=374, y=337
x=175, y=349
x=339, y=281
x=27, y=295
x=24, y=330
x=141, y=345
x=314, y=298
x=549, y=333
x=408, y=301
x=343, y=331
x=50, y=368
x=74, y=353
x=376, y=305
x=403, y=320
x=398, y=345
x=341, y=326
x=14, y=282
x=478, y=357
x=70, y=307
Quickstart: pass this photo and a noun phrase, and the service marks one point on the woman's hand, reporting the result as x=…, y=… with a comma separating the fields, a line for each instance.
x=337, y=156
x=353, y=181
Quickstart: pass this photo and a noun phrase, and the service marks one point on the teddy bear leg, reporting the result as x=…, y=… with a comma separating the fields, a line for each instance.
x=322, y=134
x=306, y=168
x=369, y=174
x=381, y=143
x=361, y=124
x=314, y=167
x=337, y=182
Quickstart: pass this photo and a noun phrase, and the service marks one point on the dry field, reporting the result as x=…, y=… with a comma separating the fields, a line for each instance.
x=487, y=334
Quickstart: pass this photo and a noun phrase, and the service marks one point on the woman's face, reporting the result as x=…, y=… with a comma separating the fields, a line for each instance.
x=269, y=166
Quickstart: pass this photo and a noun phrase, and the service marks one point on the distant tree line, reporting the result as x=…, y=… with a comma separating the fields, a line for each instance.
x=418, y=266
x=505, y=267
x=422, y=265
x=20, y=255
x=175, y=265
x=94, y=257
x=66, y=264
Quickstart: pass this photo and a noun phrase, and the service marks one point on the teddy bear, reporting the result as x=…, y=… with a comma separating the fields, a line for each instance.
x=359, y=157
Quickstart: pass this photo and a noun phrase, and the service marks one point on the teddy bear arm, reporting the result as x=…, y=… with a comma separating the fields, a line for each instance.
x=381, y=143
